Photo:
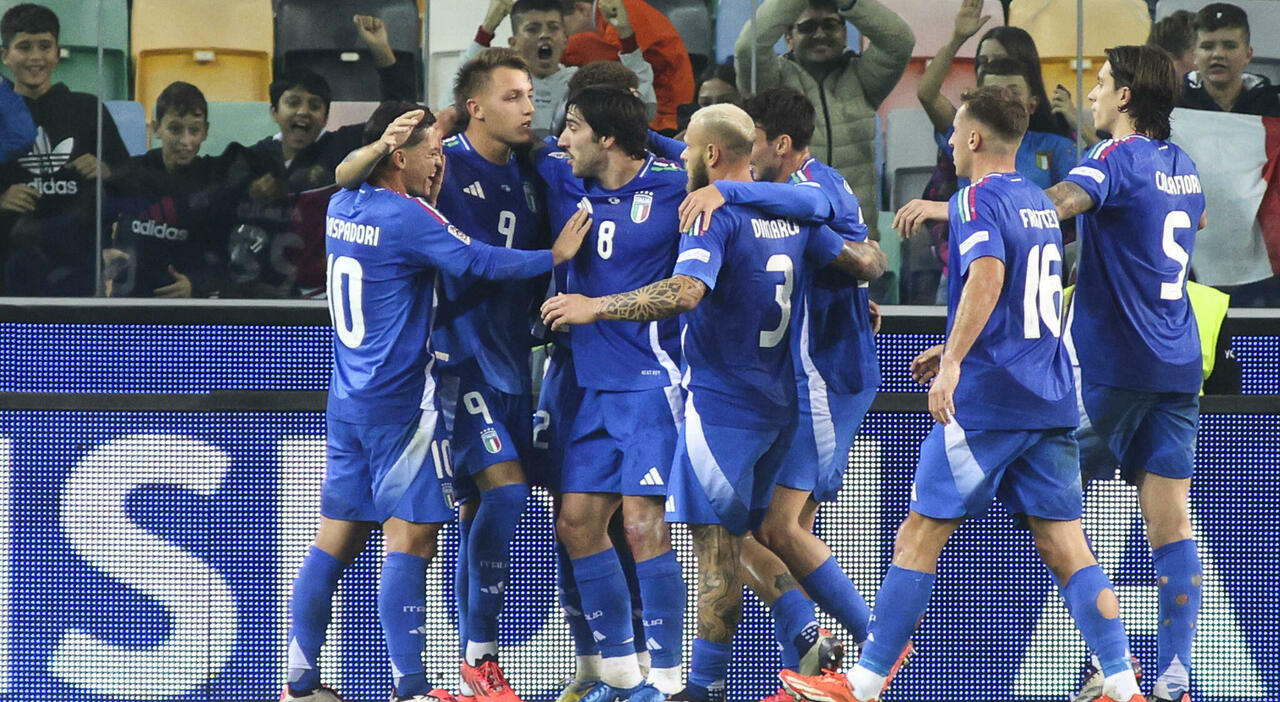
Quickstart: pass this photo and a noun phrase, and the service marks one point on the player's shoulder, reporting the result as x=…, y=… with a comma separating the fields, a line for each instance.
x=664, y=170
x=979, y=197
x=456, y=144
x=1123, y=148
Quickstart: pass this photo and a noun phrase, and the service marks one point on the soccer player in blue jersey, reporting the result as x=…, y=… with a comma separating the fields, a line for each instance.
x=737, y=285
x=836, y=368
x=384, y=464
x=619, y=446
x=1002, y=394
x=1133, y=331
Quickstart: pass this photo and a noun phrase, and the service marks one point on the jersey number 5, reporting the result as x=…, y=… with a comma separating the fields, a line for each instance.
x=346, y=299
x=780, y=263
x=1042, y=292
x=1176, y=219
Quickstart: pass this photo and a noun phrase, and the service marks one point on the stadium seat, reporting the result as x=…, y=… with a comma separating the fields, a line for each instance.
x=910, y=155
x=1264, y=16
x=244, y=122
x=224, y=48
x=1106, y=23
x=1062, y=71
x=319, y=35
x=78, y=39
x=131, y=121
x=692, y=19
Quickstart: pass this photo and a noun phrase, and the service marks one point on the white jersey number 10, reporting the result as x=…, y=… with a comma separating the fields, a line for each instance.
x=346, y=299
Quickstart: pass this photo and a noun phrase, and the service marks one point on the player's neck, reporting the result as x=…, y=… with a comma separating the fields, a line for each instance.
x=620, y=171
x=986, y=163
x=792, y=163
x=1124, y=127
x=739, y=171
x=492, y=150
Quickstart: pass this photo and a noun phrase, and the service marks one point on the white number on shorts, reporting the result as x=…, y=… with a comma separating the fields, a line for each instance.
x=346, y=301
x=541, y=422
x=780, y=263
x=507, y=226
x=604, y=239
x=442, y=456
x=474, y=403
x=1176, y=219
x=1042, y=292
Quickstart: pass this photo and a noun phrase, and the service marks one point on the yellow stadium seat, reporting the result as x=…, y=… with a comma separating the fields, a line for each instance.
x=1062, y=71
x=222, y=75
x=1107, y=23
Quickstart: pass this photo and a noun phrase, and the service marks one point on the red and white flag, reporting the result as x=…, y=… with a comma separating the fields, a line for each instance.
x=1238, y=157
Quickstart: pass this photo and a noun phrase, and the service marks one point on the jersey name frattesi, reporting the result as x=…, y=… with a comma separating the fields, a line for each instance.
x=352, y=232
x=1039, y=219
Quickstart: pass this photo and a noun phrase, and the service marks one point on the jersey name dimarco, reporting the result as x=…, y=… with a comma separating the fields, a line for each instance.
x=774, y=228
x=1188, y=184
x=1039, y=219
x=351, y=232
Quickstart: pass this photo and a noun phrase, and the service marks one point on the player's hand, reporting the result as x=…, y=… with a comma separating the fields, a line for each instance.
x=1062, y=104
x=700, y=203
x=114, y=264
x=88, y=166
x=876, y=319
x=571, y=236
x=180, y=287
x=615, y=13
x=969, y=20
x=925, y=366
x=19, y=198
x=941, y=394
x=399, y=131
x=498, y=11
x=564, y=310
x=916, y=214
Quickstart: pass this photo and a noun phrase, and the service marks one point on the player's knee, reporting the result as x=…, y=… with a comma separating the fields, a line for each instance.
x=644, y=533
x=414, y=539
x=577, y=528
x=773, y=534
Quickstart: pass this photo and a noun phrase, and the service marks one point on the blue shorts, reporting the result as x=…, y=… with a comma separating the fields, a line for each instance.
x=489, y=426
x=1136, y=431
x=1033, y=472
x=724, y=475
x=557, y=406
x=622, y=443
x=377, y=471
x=828, y=424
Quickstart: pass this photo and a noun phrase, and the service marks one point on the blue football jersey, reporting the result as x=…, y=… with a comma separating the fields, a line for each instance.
x=1043, y=158
x=488, y=320
x=1017, y=375
x=384, y=250
x=737, y=346
x=633, y=241
x=1131, y=322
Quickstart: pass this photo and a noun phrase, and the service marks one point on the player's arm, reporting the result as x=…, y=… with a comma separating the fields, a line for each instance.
x=359, y=164
x=983, y=282
x=665, y=298
x=1070, y=199
x=805, y=203
x=915, y=215
x=860, y=260
x=456, y=254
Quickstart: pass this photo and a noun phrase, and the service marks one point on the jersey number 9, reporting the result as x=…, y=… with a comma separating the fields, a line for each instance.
x=346, y=299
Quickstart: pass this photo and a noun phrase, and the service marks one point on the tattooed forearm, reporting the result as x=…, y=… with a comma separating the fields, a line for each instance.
x=861, y=260
x=665, y=298
x=1070, y=199
x=719, y=582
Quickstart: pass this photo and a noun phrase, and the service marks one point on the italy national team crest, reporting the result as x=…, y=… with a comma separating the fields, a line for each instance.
x=492, y=442
x=641, y=204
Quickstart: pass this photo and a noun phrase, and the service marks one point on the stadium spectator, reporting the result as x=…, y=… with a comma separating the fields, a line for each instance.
x=1222, y=52
x=593, y=38
x=172, y=209
x=1176, y=34
x=300, y=105
x=1016, y=43
x=17, y=131
x=845, y=85
x=538, y=34
x=48, y=247
x=719, y=84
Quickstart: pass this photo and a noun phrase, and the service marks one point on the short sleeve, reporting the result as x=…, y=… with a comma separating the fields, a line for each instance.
x=702, y=254
x=1098, y=173
x=975, y=231
x=823, y=246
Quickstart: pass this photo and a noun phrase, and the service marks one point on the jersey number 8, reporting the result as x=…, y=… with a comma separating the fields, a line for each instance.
x=346, y=299
x=604, y=239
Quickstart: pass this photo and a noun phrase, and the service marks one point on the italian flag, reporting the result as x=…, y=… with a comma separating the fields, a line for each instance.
x=1238, y=157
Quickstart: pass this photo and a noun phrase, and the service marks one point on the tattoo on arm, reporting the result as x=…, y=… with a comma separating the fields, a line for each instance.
x=665, y=298
x=1070, y=199
x=862, y=261
x=719, y=582
x=785, y=583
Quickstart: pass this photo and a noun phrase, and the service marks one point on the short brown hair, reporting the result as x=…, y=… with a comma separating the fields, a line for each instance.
x=781, y=111
x=604, y=73
x=1176, y=33
x=995, y=107
x=1153, y=85
x=1222, y=15
x=181, y=99
x=388, y=112
x=474, y=74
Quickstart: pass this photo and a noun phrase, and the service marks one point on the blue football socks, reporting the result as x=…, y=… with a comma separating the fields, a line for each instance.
x=584, y=643
x=708, y=668
x=902, y=601
x=663, y=594
x=489, y=542
x=1179, y=574
x=836, y=595
x=797, y=619
x=310, y=610
x=402, y=610
x=460, y=583
x=605, y=602
x=1104, y=636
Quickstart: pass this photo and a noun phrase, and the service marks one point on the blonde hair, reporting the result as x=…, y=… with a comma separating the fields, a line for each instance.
x=729, y=127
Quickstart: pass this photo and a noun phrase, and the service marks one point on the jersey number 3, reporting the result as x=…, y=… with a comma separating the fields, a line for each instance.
x=346, y=299
x=780, y=263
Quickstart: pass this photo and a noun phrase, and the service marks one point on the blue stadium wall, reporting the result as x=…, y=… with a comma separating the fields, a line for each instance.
x=159, y=481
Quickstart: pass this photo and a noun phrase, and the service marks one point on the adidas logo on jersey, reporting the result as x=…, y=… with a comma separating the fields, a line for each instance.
x=598, y=636
x=45, y=158
x=493, y=589
x=474, y=190
x=653, y=477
